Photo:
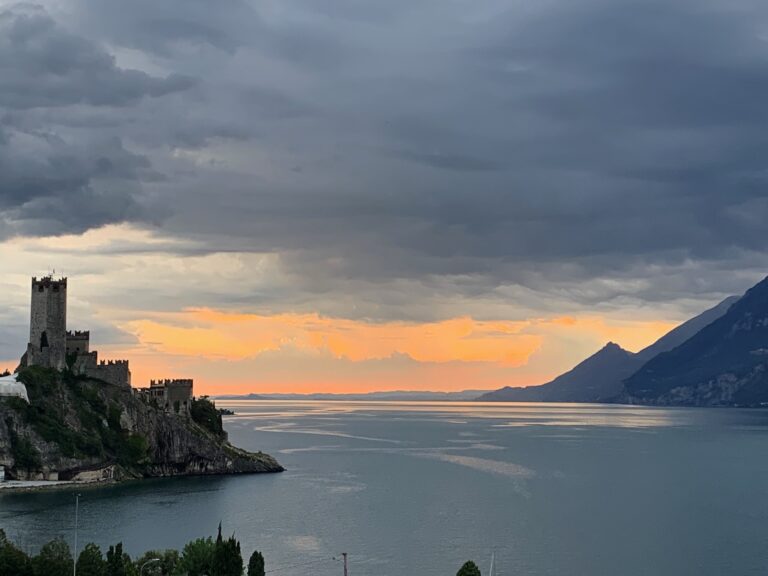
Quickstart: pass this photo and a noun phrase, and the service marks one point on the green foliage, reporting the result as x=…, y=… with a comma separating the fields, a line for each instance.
x=90, y=562
x=99, y=434
x=469, y=569
x=201, y=557
x=157, y=563
x=118, y=562
x=113, y=417
x=204, y=413
x=54, y=559
x=13, y=562
x=256, y=564
x=197, y=558
x=227, y=559
x=131, y=450
x=25, y=455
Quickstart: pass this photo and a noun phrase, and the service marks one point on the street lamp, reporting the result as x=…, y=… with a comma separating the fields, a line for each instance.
x=147, y=563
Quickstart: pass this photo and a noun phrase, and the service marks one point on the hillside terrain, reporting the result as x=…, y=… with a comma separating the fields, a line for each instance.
x=80, y=428
x=725, y=363
x=600, y=377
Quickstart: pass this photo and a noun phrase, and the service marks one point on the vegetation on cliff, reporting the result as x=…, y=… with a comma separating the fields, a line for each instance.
x=205, y=413
x=73, y=423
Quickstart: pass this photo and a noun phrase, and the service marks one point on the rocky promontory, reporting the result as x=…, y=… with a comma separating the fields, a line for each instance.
x=76, y=428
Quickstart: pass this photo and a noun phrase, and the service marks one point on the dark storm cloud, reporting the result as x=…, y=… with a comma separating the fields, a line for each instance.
x=52, y=182
x=598, y=150
x=51, y=187
x=42, y=65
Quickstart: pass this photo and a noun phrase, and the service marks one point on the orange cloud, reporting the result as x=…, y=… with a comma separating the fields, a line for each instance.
x=632, y=335
x=220, y=335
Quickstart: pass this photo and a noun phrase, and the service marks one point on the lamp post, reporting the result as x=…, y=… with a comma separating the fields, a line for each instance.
x=147, y=563
x=74, y=556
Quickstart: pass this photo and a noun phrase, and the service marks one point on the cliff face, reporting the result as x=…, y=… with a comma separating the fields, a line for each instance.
x=79, y=428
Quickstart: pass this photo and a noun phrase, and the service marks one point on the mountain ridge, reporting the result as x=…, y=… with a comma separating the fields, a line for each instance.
x=599, y=378
x=725, y=363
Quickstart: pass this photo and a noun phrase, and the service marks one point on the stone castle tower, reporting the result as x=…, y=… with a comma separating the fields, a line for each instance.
x=48, y=325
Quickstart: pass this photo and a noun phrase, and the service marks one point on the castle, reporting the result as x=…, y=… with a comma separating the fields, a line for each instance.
x=52, y=345
x=173, y=395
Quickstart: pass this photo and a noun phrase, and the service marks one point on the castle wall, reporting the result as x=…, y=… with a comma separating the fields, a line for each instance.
x=167, y=393
x=78, y=343
x=113, y=371
x=48, y=323
x=86, y=363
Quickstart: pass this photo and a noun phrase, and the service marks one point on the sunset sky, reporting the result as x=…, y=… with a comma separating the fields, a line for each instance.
x=341, y=195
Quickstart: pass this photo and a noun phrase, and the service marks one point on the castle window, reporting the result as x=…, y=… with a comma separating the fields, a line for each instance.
x=43, y=341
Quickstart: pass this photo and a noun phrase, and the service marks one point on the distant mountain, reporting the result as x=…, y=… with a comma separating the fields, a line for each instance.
x=596, y=379
x=599, y=377
x=725, y=363
x=395, y=395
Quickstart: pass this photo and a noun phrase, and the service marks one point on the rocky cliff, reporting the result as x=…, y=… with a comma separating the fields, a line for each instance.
x=75, y=427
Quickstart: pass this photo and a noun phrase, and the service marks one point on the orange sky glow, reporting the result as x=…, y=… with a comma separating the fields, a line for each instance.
x=132, y=304
x=232, y=352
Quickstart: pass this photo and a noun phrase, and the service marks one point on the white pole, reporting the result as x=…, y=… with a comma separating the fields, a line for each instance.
x=74, y=556
x=493, y=557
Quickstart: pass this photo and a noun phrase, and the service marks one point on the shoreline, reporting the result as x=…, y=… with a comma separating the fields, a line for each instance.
x=18, y=486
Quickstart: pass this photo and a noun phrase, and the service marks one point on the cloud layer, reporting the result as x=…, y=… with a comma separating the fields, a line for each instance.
x=393, y=162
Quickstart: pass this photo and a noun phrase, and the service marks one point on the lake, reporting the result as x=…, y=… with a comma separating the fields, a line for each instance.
x=421, y=487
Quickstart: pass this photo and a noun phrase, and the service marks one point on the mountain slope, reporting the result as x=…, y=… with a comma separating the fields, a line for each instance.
x=686, y=330
x=725, y=363
x=592, y=380
x=599, y=377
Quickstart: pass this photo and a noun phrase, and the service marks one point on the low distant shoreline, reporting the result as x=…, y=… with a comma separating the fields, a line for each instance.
x=395, y=395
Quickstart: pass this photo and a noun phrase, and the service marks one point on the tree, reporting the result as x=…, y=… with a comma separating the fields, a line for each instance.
x=157, y=563
x=91, y=562
x=256, y=564
x=204, y=413
x=54, y=559
x=118, y=562
x=469, y=569
x=227, y=559
x=13, y=562
x=197, y=558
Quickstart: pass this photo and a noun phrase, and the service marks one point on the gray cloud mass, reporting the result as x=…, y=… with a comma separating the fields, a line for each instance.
x=599, y=151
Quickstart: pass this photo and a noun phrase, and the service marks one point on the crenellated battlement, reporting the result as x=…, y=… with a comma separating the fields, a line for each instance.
x=113, y=363
x=171, y=382
x=78, y=334
x=47, y=281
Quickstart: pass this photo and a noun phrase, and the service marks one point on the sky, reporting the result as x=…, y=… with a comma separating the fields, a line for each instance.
x=355, y=195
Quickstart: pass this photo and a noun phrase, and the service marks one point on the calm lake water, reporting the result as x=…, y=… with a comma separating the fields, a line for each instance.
x=418, y=488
